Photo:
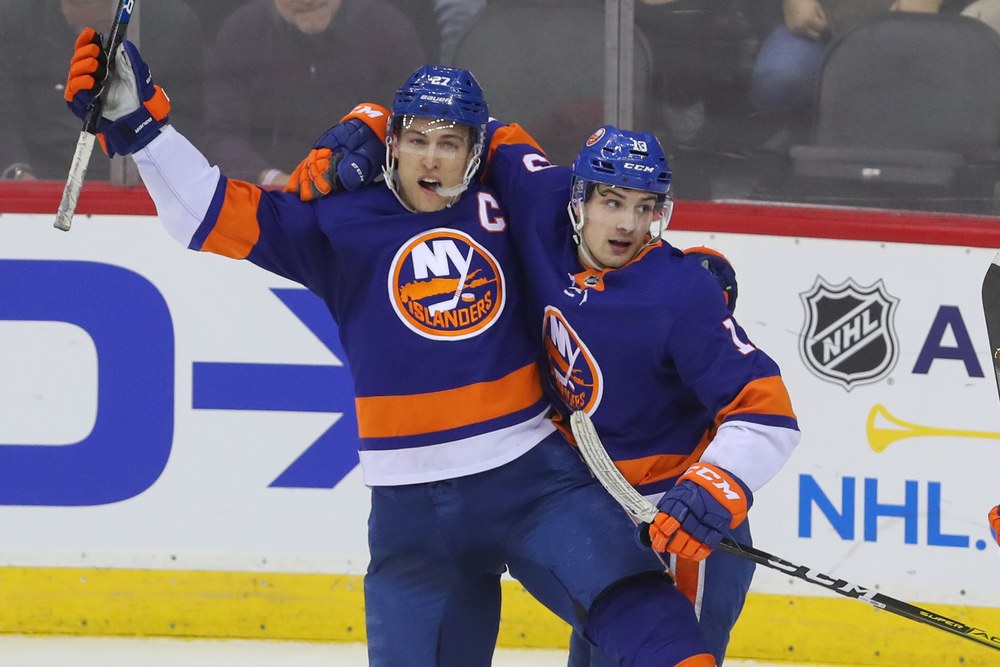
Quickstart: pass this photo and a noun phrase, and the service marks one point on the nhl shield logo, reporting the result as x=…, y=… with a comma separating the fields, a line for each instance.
x=849, y=334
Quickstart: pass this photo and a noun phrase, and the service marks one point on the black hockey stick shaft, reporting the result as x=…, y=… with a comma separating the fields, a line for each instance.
x=604, y=469
x=119, y=27
x=991, y=308
x=85, y=144
x=856, y=592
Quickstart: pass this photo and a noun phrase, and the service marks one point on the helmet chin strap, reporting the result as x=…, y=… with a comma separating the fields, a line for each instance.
x=453, y=191
x=582, y=250
x=470, y=169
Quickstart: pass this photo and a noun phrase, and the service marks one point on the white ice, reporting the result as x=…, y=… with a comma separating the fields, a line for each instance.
x=60, y=651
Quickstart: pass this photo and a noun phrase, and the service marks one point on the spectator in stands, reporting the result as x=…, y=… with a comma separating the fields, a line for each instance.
x=38, y=136
x=702, y=54
x=453, y=17
x=280, y=66
x=213, y=12
x=788, y=63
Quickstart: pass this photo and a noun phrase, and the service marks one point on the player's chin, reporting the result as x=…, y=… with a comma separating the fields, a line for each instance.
x=428, y=206
x=617, y=256
x=423, y=200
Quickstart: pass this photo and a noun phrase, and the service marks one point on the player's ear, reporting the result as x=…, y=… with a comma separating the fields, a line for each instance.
x=392, y=141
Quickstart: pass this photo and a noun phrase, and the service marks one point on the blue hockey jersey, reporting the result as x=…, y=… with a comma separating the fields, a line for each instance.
x=649, y=350
x=429, y=307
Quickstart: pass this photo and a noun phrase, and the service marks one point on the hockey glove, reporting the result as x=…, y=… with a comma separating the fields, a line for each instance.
x=348, y=156
x=717, y=264
x=134, y=107
x=995, y=522
x=698, y=512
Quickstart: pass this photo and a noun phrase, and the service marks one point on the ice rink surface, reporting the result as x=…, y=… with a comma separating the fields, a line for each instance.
x=36, y=651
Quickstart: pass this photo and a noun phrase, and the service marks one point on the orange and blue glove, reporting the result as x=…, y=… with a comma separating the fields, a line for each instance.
x=134, y=108
x=348, y=156
x=995, y=522
x=720, y=268
x=702, y=507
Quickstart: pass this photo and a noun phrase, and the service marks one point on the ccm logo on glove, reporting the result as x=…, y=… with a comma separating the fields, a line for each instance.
x=718, y=481
x=696, y=514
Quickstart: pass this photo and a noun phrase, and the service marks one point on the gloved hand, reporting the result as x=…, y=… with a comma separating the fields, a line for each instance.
x=698, y=512
x=718, y=266
x=348, y=156
x=134, y=107
x=995, y=522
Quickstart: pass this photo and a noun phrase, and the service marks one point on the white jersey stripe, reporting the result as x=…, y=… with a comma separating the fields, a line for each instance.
x=457, y=458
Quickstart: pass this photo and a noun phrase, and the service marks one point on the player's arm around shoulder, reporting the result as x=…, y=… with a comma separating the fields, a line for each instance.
x=515, y=164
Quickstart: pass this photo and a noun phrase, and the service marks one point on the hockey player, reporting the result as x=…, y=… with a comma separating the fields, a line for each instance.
x=468, y=477
x=638, y=336
x=689, y=405
x=995, y=522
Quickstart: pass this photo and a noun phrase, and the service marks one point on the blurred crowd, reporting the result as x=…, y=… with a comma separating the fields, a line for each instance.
x=735, y=89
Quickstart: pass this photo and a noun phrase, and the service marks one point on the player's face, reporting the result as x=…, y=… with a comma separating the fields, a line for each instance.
x=616, y=223
x=430, y=153
x=309, y=16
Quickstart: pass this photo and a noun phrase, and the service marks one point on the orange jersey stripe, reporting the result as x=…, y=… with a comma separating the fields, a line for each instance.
x=393, y=416
x=649, y=469
x=763, y=396
x=687, y=575
x=236, y=229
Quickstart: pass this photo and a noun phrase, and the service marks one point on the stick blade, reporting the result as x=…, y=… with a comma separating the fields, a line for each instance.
x=991, y=309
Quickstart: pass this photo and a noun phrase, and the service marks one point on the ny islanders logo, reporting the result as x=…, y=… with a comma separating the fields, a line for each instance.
x=444, y=285
x=573, y=371
x=595, y=137
x=849, y=336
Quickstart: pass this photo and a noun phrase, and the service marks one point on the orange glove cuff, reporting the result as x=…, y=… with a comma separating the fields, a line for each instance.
x=722, y=486
x=159, y=104
x=995, y=521
x=373, y=115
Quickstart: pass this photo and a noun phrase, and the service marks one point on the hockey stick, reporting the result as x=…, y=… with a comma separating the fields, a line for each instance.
x=991, y=308
x=85, y=144
x=609, y=476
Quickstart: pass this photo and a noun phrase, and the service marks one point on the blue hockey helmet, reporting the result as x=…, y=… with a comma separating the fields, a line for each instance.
x=434, y=91
x=445, y=93
x=625, y=159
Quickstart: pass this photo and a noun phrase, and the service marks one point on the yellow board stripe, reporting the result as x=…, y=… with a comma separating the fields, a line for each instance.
x=324, y=607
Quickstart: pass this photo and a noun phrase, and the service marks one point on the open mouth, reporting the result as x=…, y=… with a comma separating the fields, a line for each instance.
x=429, y=185
x=619, y=245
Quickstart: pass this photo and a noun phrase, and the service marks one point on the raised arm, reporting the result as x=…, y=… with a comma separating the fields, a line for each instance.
x=198, y=205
